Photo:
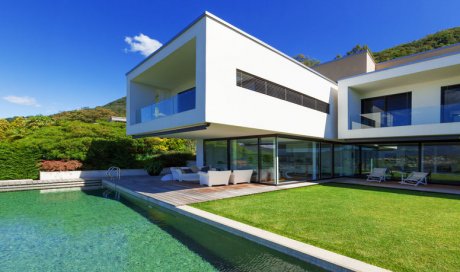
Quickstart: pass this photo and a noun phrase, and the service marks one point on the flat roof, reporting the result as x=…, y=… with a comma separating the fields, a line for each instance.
x=402, y=65
x=226, y=24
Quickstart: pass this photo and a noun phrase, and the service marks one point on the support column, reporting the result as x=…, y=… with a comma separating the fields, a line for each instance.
x=199, y=153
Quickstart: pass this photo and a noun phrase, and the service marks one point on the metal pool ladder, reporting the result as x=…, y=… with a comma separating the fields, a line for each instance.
x=113, y=173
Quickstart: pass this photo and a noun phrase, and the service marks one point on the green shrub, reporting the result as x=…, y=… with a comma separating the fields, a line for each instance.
x=19, y=162
x=97, y=145
x=156, y=164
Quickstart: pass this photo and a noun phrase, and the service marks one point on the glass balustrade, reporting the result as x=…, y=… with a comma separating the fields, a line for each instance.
x=405, y=117
x=181, y=102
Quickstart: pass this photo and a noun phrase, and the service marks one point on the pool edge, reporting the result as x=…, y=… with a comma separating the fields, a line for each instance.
x=311, y=254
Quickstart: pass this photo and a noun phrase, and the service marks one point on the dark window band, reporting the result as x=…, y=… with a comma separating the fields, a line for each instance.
x=263, y=86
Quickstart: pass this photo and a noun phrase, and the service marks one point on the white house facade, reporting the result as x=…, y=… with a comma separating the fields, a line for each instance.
x=250, y=106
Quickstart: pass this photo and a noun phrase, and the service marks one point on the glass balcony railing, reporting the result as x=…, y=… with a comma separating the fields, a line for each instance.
x=406, y=117
x=157, y=110
x=184, y=101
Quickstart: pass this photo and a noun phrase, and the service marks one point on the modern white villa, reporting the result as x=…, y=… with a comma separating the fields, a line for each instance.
x=249, y=106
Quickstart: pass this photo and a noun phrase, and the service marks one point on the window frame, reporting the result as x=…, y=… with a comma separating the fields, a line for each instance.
x=444, y=89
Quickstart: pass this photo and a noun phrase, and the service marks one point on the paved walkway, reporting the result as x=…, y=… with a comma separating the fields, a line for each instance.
x=183, y=193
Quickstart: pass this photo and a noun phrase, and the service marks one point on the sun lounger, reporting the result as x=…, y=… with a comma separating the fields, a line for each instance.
x=377, y=174
x=415, y=179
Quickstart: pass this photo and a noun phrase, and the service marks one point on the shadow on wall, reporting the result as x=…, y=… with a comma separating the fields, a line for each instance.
x=330, y=126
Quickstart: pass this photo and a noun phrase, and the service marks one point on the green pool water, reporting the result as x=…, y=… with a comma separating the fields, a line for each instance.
x=82, y=231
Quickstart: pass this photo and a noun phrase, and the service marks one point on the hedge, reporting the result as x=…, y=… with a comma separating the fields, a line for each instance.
x=19, y=162
x=156, y=164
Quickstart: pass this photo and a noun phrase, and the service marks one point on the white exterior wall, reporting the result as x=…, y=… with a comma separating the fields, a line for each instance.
x=424, y=80
x=199, y=153
x=228, y=104
x=138, y=97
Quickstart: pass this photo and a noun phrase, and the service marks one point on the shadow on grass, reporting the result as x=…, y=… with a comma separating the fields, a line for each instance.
x=389, y=190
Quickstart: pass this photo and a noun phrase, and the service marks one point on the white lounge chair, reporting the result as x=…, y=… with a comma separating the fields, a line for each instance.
x=415, y=178
x=179, y=175
x=377, y=174
x=241, y=176
x=212, y=178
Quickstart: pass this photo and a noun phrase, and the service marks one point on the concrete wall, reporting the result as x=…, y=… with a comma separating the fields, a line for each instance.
x=228, y=50
x=88, y=174
x=356, y=64
x=199, y=153
x=139, y=96
x=424, y=80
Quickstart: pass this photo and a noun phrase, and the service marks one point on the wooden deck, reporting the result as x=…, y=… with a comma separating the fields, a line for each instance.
x=183, y=193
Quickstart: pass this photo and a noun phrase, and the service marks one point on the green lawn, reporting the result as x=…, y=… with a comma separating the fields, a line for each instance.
x=396, y=229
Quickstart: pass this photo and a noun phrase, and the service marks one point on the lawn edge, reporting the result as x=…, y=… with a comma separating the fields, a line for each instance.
x=320, y=257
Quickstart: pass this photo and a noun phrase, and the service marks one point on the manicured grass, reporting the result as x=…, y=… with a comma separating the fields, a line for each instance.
x=395, y=229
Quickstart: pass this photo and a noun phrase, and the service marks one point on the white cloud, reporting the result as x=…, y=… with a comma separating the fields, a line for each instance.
x=142, y=44
x=22, y=100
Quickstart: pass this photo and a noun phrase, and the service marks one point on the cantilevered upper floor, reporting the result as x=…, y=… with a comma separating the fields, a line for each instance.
x=213, y=80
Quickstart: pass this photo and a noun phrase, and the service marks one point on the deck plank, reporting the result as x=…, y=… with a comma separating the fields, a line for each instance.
x=183, y=193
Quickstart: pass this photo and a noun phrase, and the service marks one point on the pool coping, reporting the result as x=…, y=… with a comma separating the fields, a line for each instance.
x=311, y=254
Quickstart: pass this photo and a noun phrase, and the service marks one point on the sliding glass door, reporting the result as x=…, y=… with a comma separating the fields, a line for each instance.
x=267, y=160
x=297, y=160
x=244, y=154
x=215, y=154
x=326, y=160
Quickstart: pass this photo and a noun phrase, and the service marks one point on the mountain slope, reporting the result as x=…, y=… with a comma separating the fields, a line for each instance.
x=429, y=42
x=118, y=106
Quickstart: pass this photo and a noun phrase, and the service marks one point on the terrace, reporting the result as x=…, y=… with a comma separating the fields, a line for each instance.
x=368, y=221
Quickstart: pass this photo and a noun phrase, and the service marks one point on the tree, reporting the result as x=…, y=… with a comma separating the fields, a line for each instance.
x=306, y=60
x=4, y=127
x=357, y=49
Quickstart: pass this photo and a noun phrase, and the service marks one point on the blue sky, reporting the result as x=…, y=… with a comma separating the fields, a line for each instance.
x=61, y=55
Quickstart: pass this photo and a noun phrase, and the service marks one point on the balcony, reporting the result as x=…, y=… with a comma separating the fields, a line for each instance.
x=406, y=117
x=181, y=102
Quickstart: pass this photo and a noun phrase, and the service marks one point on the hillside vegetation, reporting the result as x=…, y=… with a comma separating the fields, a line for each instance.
x=429, y=42
x=118, y=106
x=433, y=41
x=84, y=136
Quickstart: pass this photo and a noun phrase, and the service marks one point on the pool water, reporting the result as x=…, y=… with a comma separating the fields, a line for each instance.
x=82, y=231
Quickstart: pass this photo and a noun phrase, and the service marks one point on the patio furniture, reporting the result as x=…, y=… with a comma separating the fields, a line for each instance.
x=377, y=174
x=212, y=178
x=241, y=176
x=415, y=178
x=184, y=174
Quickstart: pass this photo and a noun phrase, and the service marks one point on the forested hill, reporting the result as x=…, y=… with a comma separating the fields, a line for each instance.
x=432, y=41
x=118, y=106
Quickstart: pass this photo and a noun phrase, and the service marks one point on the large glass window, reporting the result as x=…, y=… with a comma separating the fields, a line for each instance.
x=186, y=100
x=326, y=160
x=297, y=160
x=450, y=104
x=397, y=158
x=442, y=160
x=386, y=111
x=245, y=155
x=346, y=160
x=267, y=160
x=215, y=154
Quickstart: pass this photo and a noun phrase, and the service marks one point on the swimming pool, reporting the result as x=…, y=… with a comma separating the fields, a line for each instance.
x=82, y=231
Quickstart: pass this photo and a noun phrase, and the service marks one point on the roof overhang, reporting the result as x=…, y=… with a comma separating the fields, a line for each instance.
x=419, y=72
